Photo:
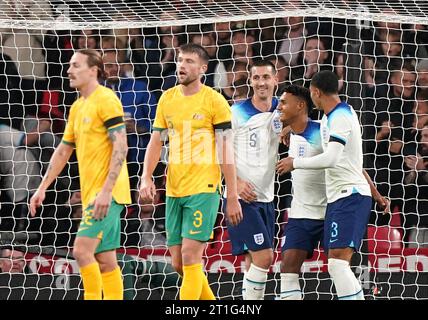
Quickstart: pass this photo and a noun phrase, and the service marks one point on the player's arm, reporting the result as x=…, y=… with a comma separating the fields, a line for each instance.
x=117, y=135
x=59, y=158
x=340, y=129
x=151, y=159
x=381, y=201
x=327, y=159
x=224, y=142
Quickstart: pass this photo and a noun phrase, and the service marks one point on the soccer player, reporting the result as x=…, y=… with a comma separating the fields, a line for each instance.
x=96, y=129
x=305, y=226
x=198, y=120
x=256, y=129
x=348, y=187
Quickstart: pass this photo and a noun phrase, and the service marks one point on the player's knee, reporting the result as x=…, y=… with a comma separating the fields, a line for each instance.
x=190, y=256
x=263, y=259
x=81, y=255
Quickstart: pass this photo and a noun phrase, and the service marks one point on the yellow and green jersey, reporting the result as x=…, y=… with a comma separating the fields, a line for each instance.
x=193, y=165
x=87, y=129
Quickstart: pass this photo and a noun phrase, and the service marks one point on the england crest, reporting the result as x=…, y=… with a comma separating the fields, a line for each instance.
x=276, y=122
x=258, y=238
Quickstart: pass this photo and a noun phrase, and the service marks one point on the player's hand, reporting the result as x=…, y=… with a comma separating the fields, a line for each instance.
x=36, y=201
x=284, y=136
x=147, y=190
x=102, y=204
x=246, y=191
x=285, y=165
x=385, y=130
x=233, y=211
x=383, y=203
x=414, y=162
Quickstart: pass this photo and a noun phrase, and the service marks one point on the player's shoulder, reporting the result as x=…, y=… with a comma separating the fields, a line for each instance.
x=104, y=93
x=213, y=94
x=241, y=105
x=342, y=110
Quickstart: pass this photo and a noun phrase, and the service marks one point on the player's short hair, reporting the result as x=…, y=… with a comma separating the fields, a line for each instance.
x=326, y=81
x=302, y=93
x=263, y=63
x=197, y=49
x=95, y=60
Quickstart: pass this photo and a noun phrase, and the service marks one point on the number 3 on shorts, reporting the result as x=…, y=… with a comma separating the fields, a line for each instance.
x=197, y=221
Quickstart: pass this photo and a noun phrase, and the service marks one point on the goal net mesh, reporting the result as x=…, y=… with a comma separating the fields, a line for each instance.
x=378, y=49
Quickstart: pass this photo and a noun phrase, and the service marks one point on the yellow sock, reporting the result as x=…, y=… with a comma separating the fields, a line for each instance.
x=113, y=285
x=191, y=287
x=92, y=283
x=207, y=293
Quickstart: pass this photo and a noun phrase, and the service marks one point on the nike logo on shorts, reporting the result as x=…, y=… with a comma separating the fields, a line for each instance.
x=194, y=232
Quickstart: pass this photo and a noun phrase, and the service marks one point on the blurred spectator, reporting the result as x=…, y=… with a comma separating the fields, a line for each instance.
x=391, y=107
x=58, y=51
x=420, y=113
x=369, y=74
x=422, y=73
x=269, y=36
x=339, y=69
x=139, y=106
x=25, y=48
x=43, y=132
x=388, y=51
x=234, y=72
x=389, y=175
x=293, y=40
x=11, y=108
x=214, y=65
x=244, y=47
x=283, y=73
x=144, y=223
x=110, y=42
x=19, y=177
x=242, y=90
x=316, y=57
x=416, y=180
x=12, y=261
x=223, y=40
x=86, y=39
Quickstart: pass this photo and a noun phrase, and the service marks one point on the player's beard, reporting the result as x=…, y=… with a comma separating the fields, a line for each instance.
x=187, y=80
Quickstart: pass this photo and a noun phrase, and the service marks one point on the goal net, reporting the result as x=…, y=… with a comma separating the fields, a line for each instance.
x=378, y=49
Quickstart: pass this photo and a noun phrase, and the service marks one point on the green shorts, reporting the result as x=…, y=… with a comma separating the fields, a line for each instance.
x=191, y=217
x=107, y=229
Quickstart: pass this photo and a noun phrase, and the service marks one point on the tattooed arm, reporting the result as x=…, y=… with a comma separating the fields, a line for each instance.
x=59, y=159
x=118, y=156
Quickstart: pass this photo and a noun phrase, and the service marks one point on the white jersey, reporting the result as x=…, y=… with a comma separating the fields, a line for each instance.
x=309, y=189
x=256, y=137
x=341, y=125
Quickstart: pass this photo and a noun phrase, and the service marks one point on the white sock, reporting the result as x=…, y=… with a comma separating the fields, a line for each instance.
x=290, y=287
x=358, y=289
x=343, y=279
x=244, y=283
x=255, y=283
